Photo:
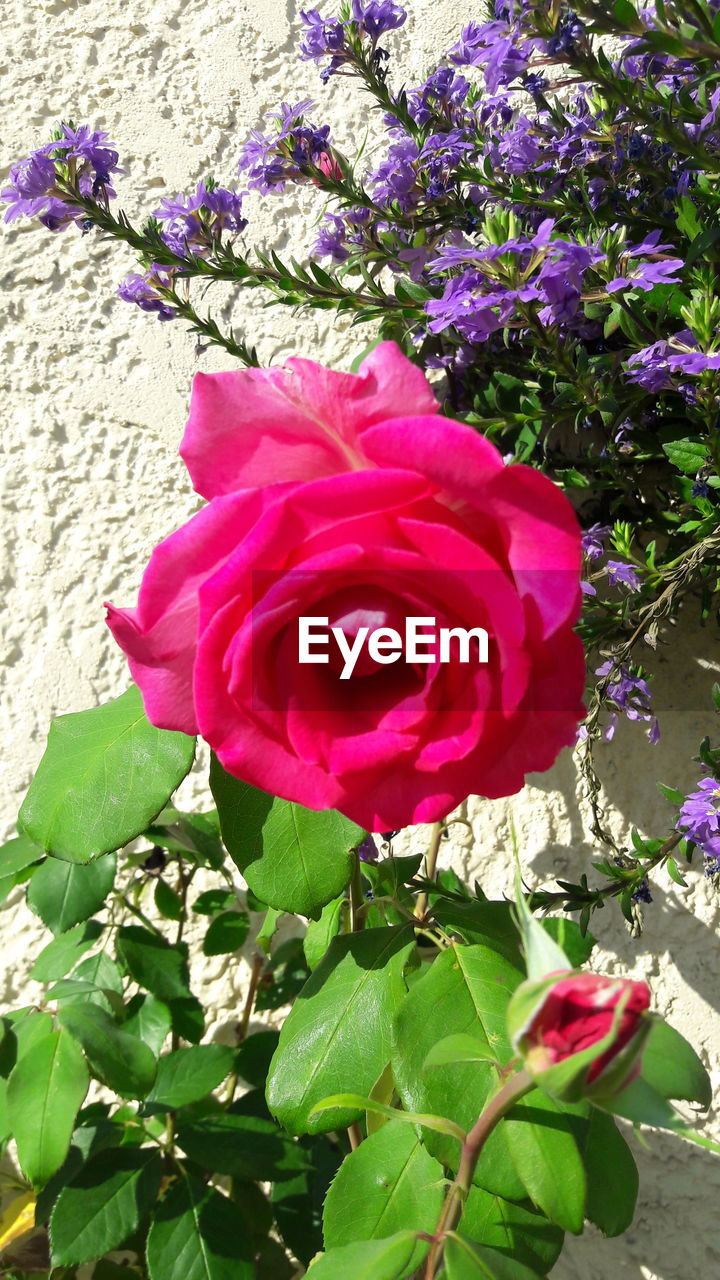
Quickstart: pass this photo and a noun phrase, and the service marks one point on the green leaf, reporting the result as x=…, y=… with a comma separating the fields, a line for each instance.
x=194, y=1234
x=16, y=857
x=167, y=901
x=672, y=1067
x=542, y=954
x=154, y=963
x=471, y=986
x=388, y=1184
x=253, y=1058
x=541, y=1137
x=641, y=1104
x=687, y=455
x=149, y=1019
x=45, y=1091
x=213, y=901
x=242, y=1146
x=100, y=970
x=226, y=933
x=104, y=1204
x=466, y=1260
x=438, y=1124
x=575, y=944
x=62, y=954
x=394, y=1258
x=66, y=893
x=320, y=933
x=186, y=1075
x=490, y=924
x=459, y=1048
x=298, y=1203
x=118, y=1059
x=293, y=859
x=670, y=793
x=104, y=775
x=524, y=1235
x=348, y=1001
x=612, y=1176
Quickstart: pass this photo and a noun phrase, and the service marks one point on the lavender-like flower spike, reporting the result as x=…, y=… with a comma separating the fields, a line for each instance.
x=142, y=290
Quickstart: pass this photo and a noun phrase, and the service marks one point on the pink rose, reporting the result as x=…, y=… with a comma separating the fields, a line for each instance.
x=578, y=1012
x=350, y=497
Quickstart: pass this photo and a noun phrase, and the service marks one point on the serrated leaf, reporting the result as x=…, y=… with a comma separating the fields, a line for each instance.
x=150, y=1020
x=468, y=1260
x=63, y=894
x=394, y=1258
x=194, y=1234
x=186, y=1075
x=104, y=775
x=242, y=1146
x=154, y=963
x=45, y=1091
x=542, y=1140
x=388, y=1184
x=104, y=1204
x=293, y=859
x=687, y=455
x=472, y=986
x=514, y=1229
x=349, y=1000
x=672, y=1067
x=62, y=954
x=118, y=1059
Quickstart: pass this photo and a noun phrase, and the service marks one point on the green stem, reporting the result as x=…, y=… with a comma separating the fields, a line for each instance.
x=431, y=858
x=510, y=1093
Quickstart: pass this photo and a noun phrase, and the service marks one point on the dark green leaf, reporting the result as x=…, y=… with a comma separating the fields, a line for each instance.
x=62, y=954
x=253, y=1058
x=190, y=1074
x=167, y=901
x=242, y=1146
x=293, y=859
x=687, y=455
x=100, y=970
x=612, y=1176
x=298, y=1203
x=213, y=901
x=347, y=1002
x=104, y=775
x=104, y=1204
x=194, y=1234
x=45, y=1090
x=154, y=963
x=673, y=1068
x=320, y=933
x=226, y=933
x=388, y=1184
x=116, y=1058
x=66, y=893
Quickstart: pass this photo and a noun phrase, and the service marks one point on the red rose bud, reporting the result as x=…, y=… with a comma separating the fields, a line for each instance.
x=581, y=1035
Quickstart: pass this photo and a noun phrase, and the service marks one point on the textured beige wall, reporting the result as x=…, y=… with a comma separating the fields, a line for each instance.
x=94, y=396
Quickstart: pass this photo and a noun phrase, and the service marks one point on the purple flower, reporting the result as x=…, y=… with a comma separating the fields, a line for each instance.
x=288, y=154
x=587, y=588
x=622, y=574
x=396, y=177
x=331, y=238
x=368, y=850
x=89, y=146
x=142, y=290
x=630, y=695
x=645, y=275
x=653, y=367
x=196, y=222
x=33, y=190
x=375, y=17
x=699, y=819
x=442, y=94
x=492, y=46
x=323, y=37
x=472, y=309
x=592, y=540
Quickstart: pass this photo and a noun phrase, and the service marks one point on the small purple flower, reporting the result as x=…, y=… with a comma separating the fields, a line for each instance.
x=196, y=222
x=142, y=290
x=331, y=238
x=592, y=540
x=700, y=489
x=622, y=574
x=368, y=850
x=587, y=588
x=645, y=275
x=375, y=17
x=33, y=190
x=630, y=694
x=287, y=155
x=699, y=819
x=324, y=36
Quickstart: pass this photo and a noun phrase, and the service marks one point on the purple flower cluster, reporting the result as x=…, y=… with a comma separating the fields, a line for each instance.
x=288, y=154
x=197, y=222
x=143, y=290
x=593, y=540
x=699, y=820
x=80, y=156
x=629, y=694
x=657, y=367
x=334, y=37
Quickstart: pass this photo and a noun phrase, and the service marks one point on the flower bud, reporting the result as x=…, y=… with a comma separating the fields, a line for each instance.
x=580, y=1034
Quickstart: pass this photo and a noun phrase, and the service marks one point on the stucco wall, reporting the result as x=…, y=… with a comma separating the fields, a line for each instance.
x=94, y=397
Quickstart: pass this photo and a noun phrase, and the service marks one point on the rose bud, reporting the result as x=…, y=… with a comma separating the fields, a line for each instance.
x=581, y=1034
